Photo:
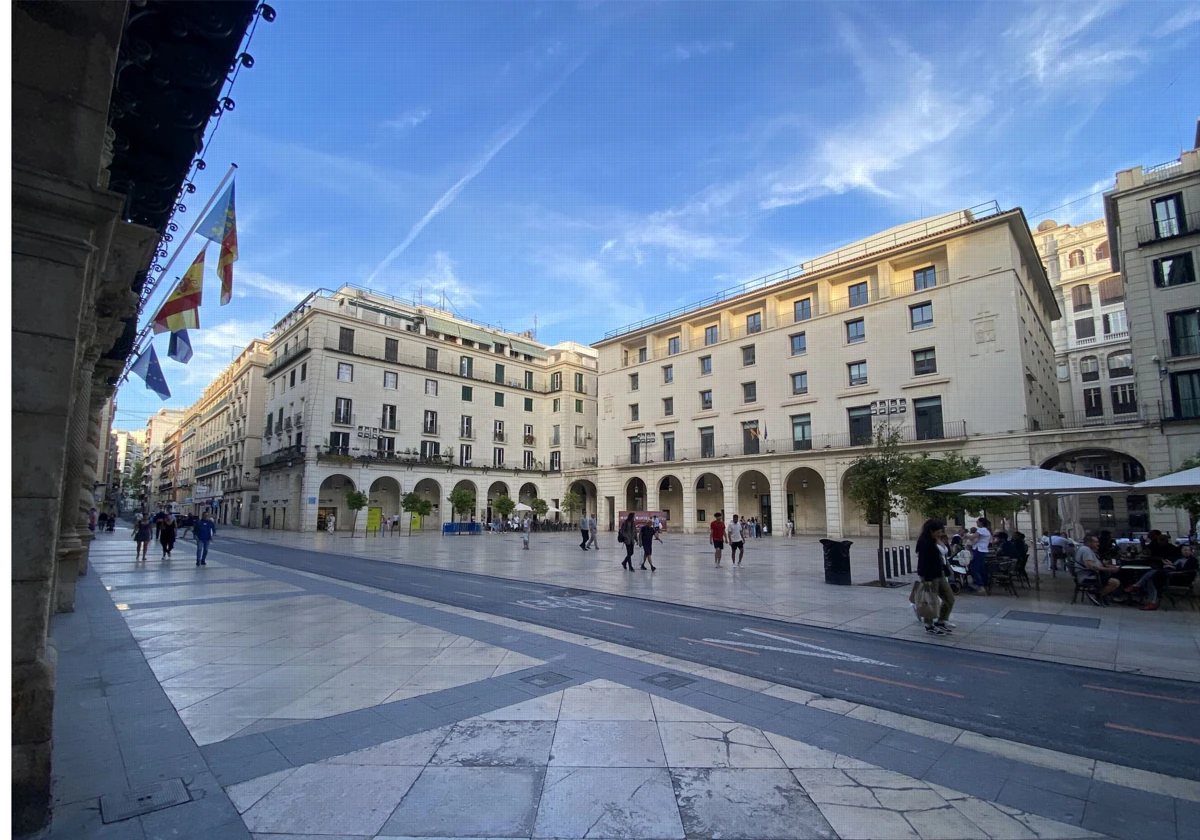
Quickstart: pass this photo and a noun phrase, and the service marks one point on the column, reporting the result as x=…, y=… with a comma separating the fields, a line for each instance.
x=729, y=502
x=688, y=491
x=652, y=492
x=833, y=501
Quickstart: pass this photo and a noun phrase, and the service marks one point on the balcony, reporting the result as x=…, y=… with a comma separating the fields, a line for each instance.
x=1176, y=347
x=499, y=437
x=215, y=466
x=429, y=428
x=299, y=420
x=287, y=422
x=291, y=354
x=581, y=443
x=1088, y=420
x=280, y=456
x=530, y=440
x=1163, y=230
x=466, y=434
x=338, y=418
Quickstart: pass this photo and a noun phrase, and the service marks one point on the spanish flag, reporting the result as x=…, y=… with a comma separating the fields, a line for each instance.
x=220, y=225
x=181, y=311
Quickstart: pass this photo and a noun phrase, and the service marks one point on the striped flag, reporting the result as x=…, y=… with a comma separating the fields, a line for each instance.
x=181, y=311
x=180, y=348
x=220, y=225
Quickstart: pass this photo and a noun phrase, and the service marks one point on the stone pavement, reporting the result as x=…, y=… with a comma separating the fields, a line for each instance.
x=295, y=706
x=784, y=580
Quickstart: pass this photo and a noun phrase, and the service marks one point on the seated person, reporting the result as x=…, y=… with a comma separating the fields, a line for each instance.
x=1156, y=579
x=1089, y=567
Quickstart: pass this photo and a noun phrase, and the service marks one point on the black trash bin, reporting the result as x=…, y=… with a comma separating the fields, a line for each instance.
x=837, y=561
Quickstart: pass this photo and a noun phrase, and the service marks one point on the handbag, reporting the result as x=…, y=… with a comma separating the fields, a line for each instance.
x=927, y=601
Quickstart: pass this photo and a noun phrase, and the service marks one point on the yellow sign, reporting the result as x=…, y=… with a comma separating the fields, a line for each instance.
x=416, y=522
x=373, y=516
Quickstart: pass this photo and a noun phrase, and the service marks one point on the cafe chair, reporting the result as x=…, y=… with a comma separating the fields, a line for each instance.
x=1181, y=585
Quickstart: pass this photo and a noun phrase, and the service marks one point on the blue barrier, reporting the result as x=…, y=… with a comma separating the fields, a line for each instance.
x=459, y=528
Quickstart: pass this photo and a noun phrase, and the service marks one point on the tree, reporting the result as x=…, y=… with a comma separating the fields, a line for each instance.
x=356, y=501
x=414, y=504
x=462, y=501
x=540, y=508
x=504, y=505
x=571, y=504
x=1189, y=502
x=875, y=479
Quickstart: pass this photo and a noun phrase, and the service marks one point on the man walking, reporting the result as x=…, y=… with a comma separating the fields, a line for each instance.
x=593, y=526
x=657, y=527
x=716, y=536
x=738, y=531
x=584, y=532
x=204, y=531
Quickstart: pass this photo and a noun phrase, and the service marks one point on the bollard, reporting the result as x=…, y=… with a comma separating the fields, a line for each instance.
x=887, y=563
x=908, y=560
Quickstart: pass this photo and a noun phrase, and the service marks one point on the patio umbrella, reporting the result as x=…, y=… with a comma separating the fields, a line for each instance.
x=1032, y=484
x=1068, y=512
x=1184, y=481
x=522, y=508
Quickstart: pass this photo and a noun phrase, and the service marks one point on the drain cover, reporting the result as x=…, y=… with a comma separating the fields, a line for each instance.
x=115, y=807
x=546, y=679
x=668, y=681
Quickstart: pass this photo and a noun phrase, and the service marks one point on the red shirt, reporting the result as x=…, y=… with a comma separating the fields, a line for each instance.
x=717, y=528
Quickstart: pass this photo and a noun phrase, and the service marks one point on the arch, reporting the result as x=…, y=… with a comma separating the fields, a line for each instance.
x=529, y=492
x=588, y=496
x=805, y=492
x=753, y=497
x=1120, y=364
x=430, y=491
x=331, y=498
x=854, y=518
x=385, y=495
x=1110, y=464
x=1075, y=258
x=1089, y=369
x=710, y=498
x=1102, y=251
x=635, y=494
x=670, y=500
x=498, y=489
x=468, y=485
x=1081, y=297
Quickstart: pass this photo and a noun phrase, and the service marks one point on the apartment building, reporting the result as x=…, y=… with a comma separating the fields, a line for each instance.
x=757, y=401
x=372, y=393
x=159, y=428
x=129, y=451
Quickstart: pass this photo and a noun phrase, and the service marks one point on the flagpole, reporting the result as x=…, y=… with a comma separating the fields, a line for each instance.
x=178, y=250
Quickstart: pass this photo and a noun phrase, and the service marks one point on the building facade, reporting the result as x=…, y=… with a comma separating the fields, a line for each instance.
x=162, y=438
x=371, y=393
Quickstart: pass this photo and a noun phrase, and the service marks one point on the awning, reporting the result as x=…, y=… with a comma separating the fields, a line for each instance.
x=481, y=336
x=527, y=348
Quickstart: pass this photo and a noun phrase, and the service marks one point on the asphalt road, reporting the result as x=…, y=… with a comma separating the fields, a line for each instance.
x=1144, y=722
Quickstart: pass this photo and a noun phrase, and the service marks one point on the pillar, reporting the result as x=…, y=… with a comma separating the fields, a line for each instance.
x=652, y=491
x=778, y=499
x=729, y=503
x=688, y=492
x=833, y=500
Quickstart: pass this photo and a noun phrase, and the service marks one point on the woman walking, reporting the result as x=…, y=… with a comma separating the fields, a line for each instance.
x=141, y=538
x=166, y=535
x=931, y=568
x=647, y=535
x=628, y=537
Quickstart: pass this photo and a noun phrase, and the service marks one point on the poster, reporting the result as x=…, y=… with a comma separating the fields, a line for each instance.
x=373, y=516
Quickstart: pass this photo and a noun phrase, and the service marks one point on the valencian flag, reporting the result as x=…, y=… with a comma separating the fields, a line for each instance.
x=220, y=226
x=180, y=348
x=181, y=311
x=148, y=368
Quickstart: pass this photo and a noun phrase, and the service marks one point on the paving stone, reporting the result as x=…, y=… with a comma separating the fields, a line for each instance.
x=716, y=745
x=231, y=771
x=331, y=799
x=1044, y=803
x=245, y=794
x=469, y=802
x=747, y=804
x=897, y=760
x=210, y=808
x=412, y=750
x=625, y=743
x=1109, y=818
x=624, y=803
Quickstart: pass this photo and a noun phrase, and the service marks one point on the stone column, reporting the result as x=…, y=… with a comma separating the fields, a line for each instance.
x=729, y=489
x=652, y=492
x=688, y=493
x=778, y=500
x=833, y=501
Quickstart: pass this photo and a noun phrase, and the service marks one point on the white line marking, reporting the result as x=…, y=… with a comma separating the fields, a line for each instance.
x=468, y=594
x=811, y=650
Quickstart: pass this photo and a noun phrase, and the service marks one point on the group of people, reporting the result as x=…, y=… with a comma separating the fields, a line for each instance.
x=1163, y=556
x=166, y=527
x=631, y=536
x=101, y=520
x=587, y=532
x=735, y=533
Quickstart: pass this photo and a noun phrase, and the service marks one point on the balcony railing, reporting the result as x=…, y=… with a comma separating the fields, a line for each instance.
x=499, y=437
x=429, y=428
x=581, y=443
x=291, y=353
x=290, y=453
x=1169, y=229
x=466, y=434
x=1181, y=345
x=1141, y=415
x=342, y=418
x=530, y=440
x=446, y=362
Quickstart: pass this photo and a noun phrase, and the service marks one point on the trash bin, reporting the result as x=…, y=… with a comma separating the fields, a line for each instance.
x=837, y=561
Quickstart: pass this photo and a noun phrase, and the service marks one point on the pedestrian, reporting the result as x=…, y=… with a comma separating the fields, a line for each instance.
x=166, y=535
x=158, y=521
x=92, y=519
x=627, y=536
x=205, y=530
x=657, y=528
x=141, y=538
x=112, y=521
x=716, y=536
x=791, y=528
x=584, y=532
x=980, y=539
x=737, y=538
x=526, y=527
x=931, y=569
x=593, y=526
x=330, y=523
x=648, y=535
x=102, y=521
x=757, y=529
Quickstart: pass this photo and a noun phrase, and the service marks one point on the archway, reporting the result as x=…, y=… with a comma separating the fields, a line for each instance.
x=710, y=497
x=1116, y=513
x=805, y=489
x=854, y=519
x=385, y=495
x=470, y=487
x=754, y=498
x=529, y=492
x=588, y=497
x=430, y=491
x=670, y=500
x=498, y=489
x=635, y=494
x=331, y=501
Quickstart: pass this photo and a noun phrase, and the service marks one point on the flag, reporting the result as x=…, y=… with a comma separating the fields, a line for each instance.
x=764, y=431
x=180, y=348
x=148, y=368
x=220, y=225
x=181, y=311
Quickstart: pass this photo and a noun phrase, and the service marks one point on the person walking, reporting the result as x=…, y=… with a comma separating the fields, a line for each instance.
x=593, y=526
x=647, y=536
x=627, y=536
x=979, y=541
x=141, y=538
x=584, y=532
x=204, y=531
x=330, y=523
x=166, y=535
x=657, y=527
x=931, y=569
x=158, y=521
x=791, y=528
x=716, y=536
x=526, y=528
x=737, y=538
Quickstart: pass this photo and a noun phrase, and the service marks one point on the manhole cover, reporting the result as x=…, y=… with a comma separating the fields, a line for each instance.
x=668, y=681
x=545, y=680
x=1052, y=618
x=115, y=807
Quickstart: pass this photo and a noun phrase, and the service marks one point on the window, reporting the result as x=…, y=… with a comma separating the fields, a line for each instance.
x=708, y=447
x=498, y=456
x=668, y=374
x=924, y=361
x=556, y=405
x=1120, y=364
x=856, y=331
x=499, y=399
x=529, y=434
x=529, y=403
x=466, y=427
x=1075, y=258
x=555, y=461
x=580, y=437
x=1174, y=271
x=555, y=436
x=801, y=431
x=1124, y=399
x=1185, y=394
x=641, y=354
x=800, y=382
x=668, y=440
x=669, y=407
x=468, y=393
x=292, y=379
x=633, y=382
x=1093, y=402
x=749, y=392
x=1081, y=298
x=1132, y=472
x=1168, y=215
x=345, y=339
x=388, y=420
x=1112, y=290
x=304, y=371
x=345, y=372
x=1089, y=369
x=430, y=426
x=430, y=449
x=579, y=389
x=1116, y=322
x=528, y=380
x=556, y=381
x=431, y=388
x=799, y=344
x=802, y=310
x=343, y=411
x=431, y=358
x=391, y=350
x=705, y=365
x=706, y=400
x=390, y=380
x=860, y=425
x=464, y=454
x=858, y=294
x=924, y=278
x=635, y=450
x=1184, y=330
x=339, y=443
x=498, y=431
x=928, y=418
x=672, y=345
x=527, y=459
x=466, y=366
x=710, y=335
x=858, y=373
x=753, y=323
x=1102, y=251
x=633, y=413
x=273, y=388
x=499, y=374
x=1101, y=470
x=386, y=447
x=1105, y=506
x=750, y=437
x=1085, y=328
x=748, y=356
x=579, y=406
x=921, y=315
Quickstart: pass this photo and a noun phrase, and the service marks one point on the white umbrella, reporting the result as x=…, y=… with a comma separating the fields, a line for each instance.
x=553, y=510
x=1185, y=481
x=1033, y=484
x=1068, y=511
x=522, y=508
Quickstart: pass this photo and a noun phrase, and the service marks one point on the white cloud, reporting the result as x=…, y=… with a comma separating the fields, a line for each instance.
x=408, y=119
x=1183, y=20
x=1067, y=50
x=268, y=286
x=213, y=348
x=439, y=276
x=683, y=52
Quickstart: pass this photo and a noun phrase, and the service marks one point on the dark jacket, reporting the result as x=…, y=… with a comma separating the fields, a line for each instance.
x=929, y=560
x=647, y=536
x=204, y=529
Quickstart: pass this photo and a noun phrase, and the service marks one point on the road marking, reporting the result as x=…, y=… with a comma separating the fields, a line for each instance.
x=676, y=615
x=901, y=684
x=421, y=585
x=602, y=621
x=1142, y=694
x=950, y=662
x=527, y=606
x=468, y=594
x=789, y=635
x=811, y=650
x=1186, y=738
x=718, y=644
x=522, y=588
x=557, y=601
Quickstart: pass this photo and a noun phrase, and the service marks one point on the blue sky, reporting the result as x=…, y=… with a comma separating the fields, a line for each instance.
x=596, y=163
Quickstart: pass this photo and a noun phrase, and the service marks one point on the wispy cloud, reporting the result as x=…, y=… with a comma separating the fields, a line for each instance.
x=438, y=276
x=213, y=349
x=409, y=119
x=269, y=286
x=1069, y=48
x=506, y=136
x=1180, y=21
x=683, y=52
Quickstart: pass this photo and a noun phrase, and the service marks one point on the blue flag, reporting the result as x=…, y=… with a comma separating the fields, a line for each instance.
x=180, y=348
x=148, y=368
